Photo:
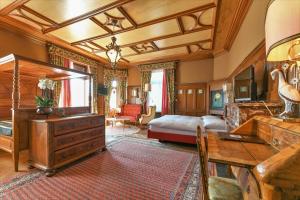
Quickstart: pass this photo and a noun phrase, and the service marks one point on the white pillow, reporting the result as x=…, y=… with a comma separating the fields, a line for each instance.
x=213, y=122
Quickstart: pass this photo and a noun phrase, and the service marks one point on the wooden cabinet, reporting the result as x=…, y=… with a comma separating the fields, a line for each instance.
x=191, y=99
x=59, y=141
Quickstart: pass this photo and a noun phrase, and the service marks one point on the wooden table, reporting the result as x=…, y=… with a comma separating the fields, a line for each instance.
x=237, y=153
x=114, y=120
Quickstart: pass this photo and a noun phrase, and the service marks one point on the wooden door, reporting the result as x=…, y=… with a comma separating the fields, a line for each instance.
x=180, y=101
x=200, y=101
x=190, y=101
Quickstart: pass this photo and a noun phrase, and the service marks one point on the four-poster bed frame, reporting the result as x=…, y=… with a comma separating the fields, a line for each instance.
x=23, y=113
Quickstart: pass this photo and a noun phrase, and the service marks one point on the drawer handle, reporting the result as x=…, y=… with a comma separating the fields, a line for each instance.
x=248, y=189
x=275, y=142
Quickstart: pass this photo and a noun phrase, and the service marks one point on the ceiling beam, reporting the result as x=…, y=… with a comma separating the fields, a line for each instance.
x=180, y=24
x=29, y=10
x=173, y=47
x=96, y=21
x=149, y=23
x=155, y=46
x=127, y=16
x=6, y=10
x=88, y=15
x=188, y=49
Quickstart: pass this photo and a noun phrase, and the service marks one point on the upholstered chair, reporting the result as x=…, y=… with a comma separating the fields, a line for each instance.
x=214, y=187
x=146, y=118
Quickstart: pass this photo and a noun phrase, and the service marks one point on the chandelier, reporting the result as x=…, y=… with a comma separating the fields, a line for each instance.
x=113, y=52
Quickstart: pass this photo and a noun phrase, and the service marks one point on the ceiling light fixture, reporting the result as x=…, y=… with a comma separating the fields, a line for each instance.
x=113, y=50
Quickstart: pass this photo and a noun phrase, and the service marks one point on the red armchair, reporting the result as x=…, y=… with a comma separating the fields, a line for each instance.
x=131, y=111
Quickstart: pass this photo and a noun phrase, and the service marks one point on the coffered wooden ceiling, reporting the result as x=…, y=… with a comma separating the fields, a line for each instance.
x=150, y=30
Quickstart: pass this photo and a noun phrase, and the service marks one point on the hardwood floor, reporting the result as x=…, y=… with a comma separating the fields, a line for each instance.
x=7, y=166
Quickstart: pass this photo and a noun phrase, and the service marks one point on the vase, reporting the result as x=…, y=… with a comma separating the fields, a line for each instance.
x=44, y=110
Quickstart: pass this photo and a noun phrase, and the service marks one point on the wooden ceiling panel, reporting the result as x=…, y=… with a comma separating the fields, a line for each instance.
x=136, y=35
x=183, y=39
x=154, y=9
x=198, y=19
x=127, y=51
x=78, y=31
x=62, y=10
x=4, y=3
x=157, y=54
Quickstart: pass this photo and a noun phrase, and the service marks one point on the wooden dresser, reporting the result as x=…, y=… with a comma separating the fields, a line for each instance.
x=59, y=141
x=238, y=113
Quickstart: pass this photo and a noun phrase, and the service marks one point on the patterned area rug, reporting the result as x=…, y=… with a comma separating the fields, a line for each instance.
x=131, y=168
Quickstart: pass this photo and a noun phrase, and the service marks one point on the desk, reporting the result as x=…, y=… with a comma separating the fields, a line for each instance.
x=237, y=153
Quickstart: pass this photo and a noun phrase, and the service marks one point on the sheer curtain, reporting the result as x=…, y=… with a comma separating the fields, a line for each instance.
x=155, y=95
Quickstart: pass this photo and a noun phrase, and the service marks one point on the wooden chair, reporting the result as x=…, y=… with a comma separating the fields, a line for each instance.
x=214, y=187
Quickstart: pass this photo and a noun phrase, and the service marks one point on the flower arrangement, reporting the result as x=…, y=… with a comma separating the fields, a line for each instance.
x=46, y=100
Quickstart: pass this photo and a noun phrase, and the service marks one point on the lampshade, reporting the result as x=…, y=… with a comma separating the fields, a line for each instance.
x=147, y=87
x=282, y=28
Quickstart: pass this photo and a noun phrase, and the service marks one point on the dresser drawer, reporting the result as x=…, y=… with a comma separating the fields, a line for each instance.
x=66, y=140
x=264, y=132
x=62, y=127
x=282, y=138
x=77, y=151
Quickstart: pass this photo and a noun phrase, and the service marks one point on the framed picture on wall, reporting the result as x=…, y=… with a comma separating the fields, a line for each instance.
x=216, y=100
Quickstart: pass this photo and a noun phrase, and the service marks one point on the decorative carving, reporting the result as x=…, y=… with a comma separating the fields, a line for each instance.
x=197, y=20
x=199, y=47
x=114, y=21
x=145, y=47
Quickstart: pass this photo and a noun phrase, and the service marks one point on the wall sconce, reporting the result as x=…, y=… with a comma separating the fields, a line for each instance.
x=147, y=87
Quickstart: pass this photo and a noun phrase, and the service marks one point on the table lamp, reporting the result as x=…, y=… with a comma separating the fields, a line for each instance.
x=282, y=27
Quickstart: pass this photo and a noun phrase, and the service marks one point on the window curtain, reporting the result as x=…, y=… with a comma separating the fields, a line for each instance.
x=66, y=87
x=165, y=96
x=120, y=75
x=170, y=81
x=145, y=78
x=56, y=55
x=169, y=69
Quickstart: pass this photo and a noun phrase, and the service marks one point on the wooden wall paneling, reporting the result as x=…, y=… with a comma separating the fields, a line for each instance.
x=180, y=101
x=189, y=101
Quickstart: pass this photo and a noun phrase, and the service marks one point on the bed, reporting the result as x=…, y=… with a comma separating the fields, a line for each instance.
x=180, y=128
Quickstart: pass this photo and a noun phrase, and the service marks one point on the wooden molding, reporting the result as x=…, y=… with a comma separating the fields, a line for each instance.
x=239, y=16
x=88, y=15
x=149, y=23
x=12, y=6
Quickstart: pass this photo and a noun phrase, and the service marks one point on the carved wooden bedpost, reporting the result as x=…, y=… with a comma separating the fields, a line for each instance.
x=90, y=93
x=15, y=107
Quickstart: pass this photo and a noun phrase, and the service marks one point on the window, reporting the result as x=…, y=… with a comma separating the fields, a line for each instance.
x=79, y=92
x=113, y=95
x=155, y=96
